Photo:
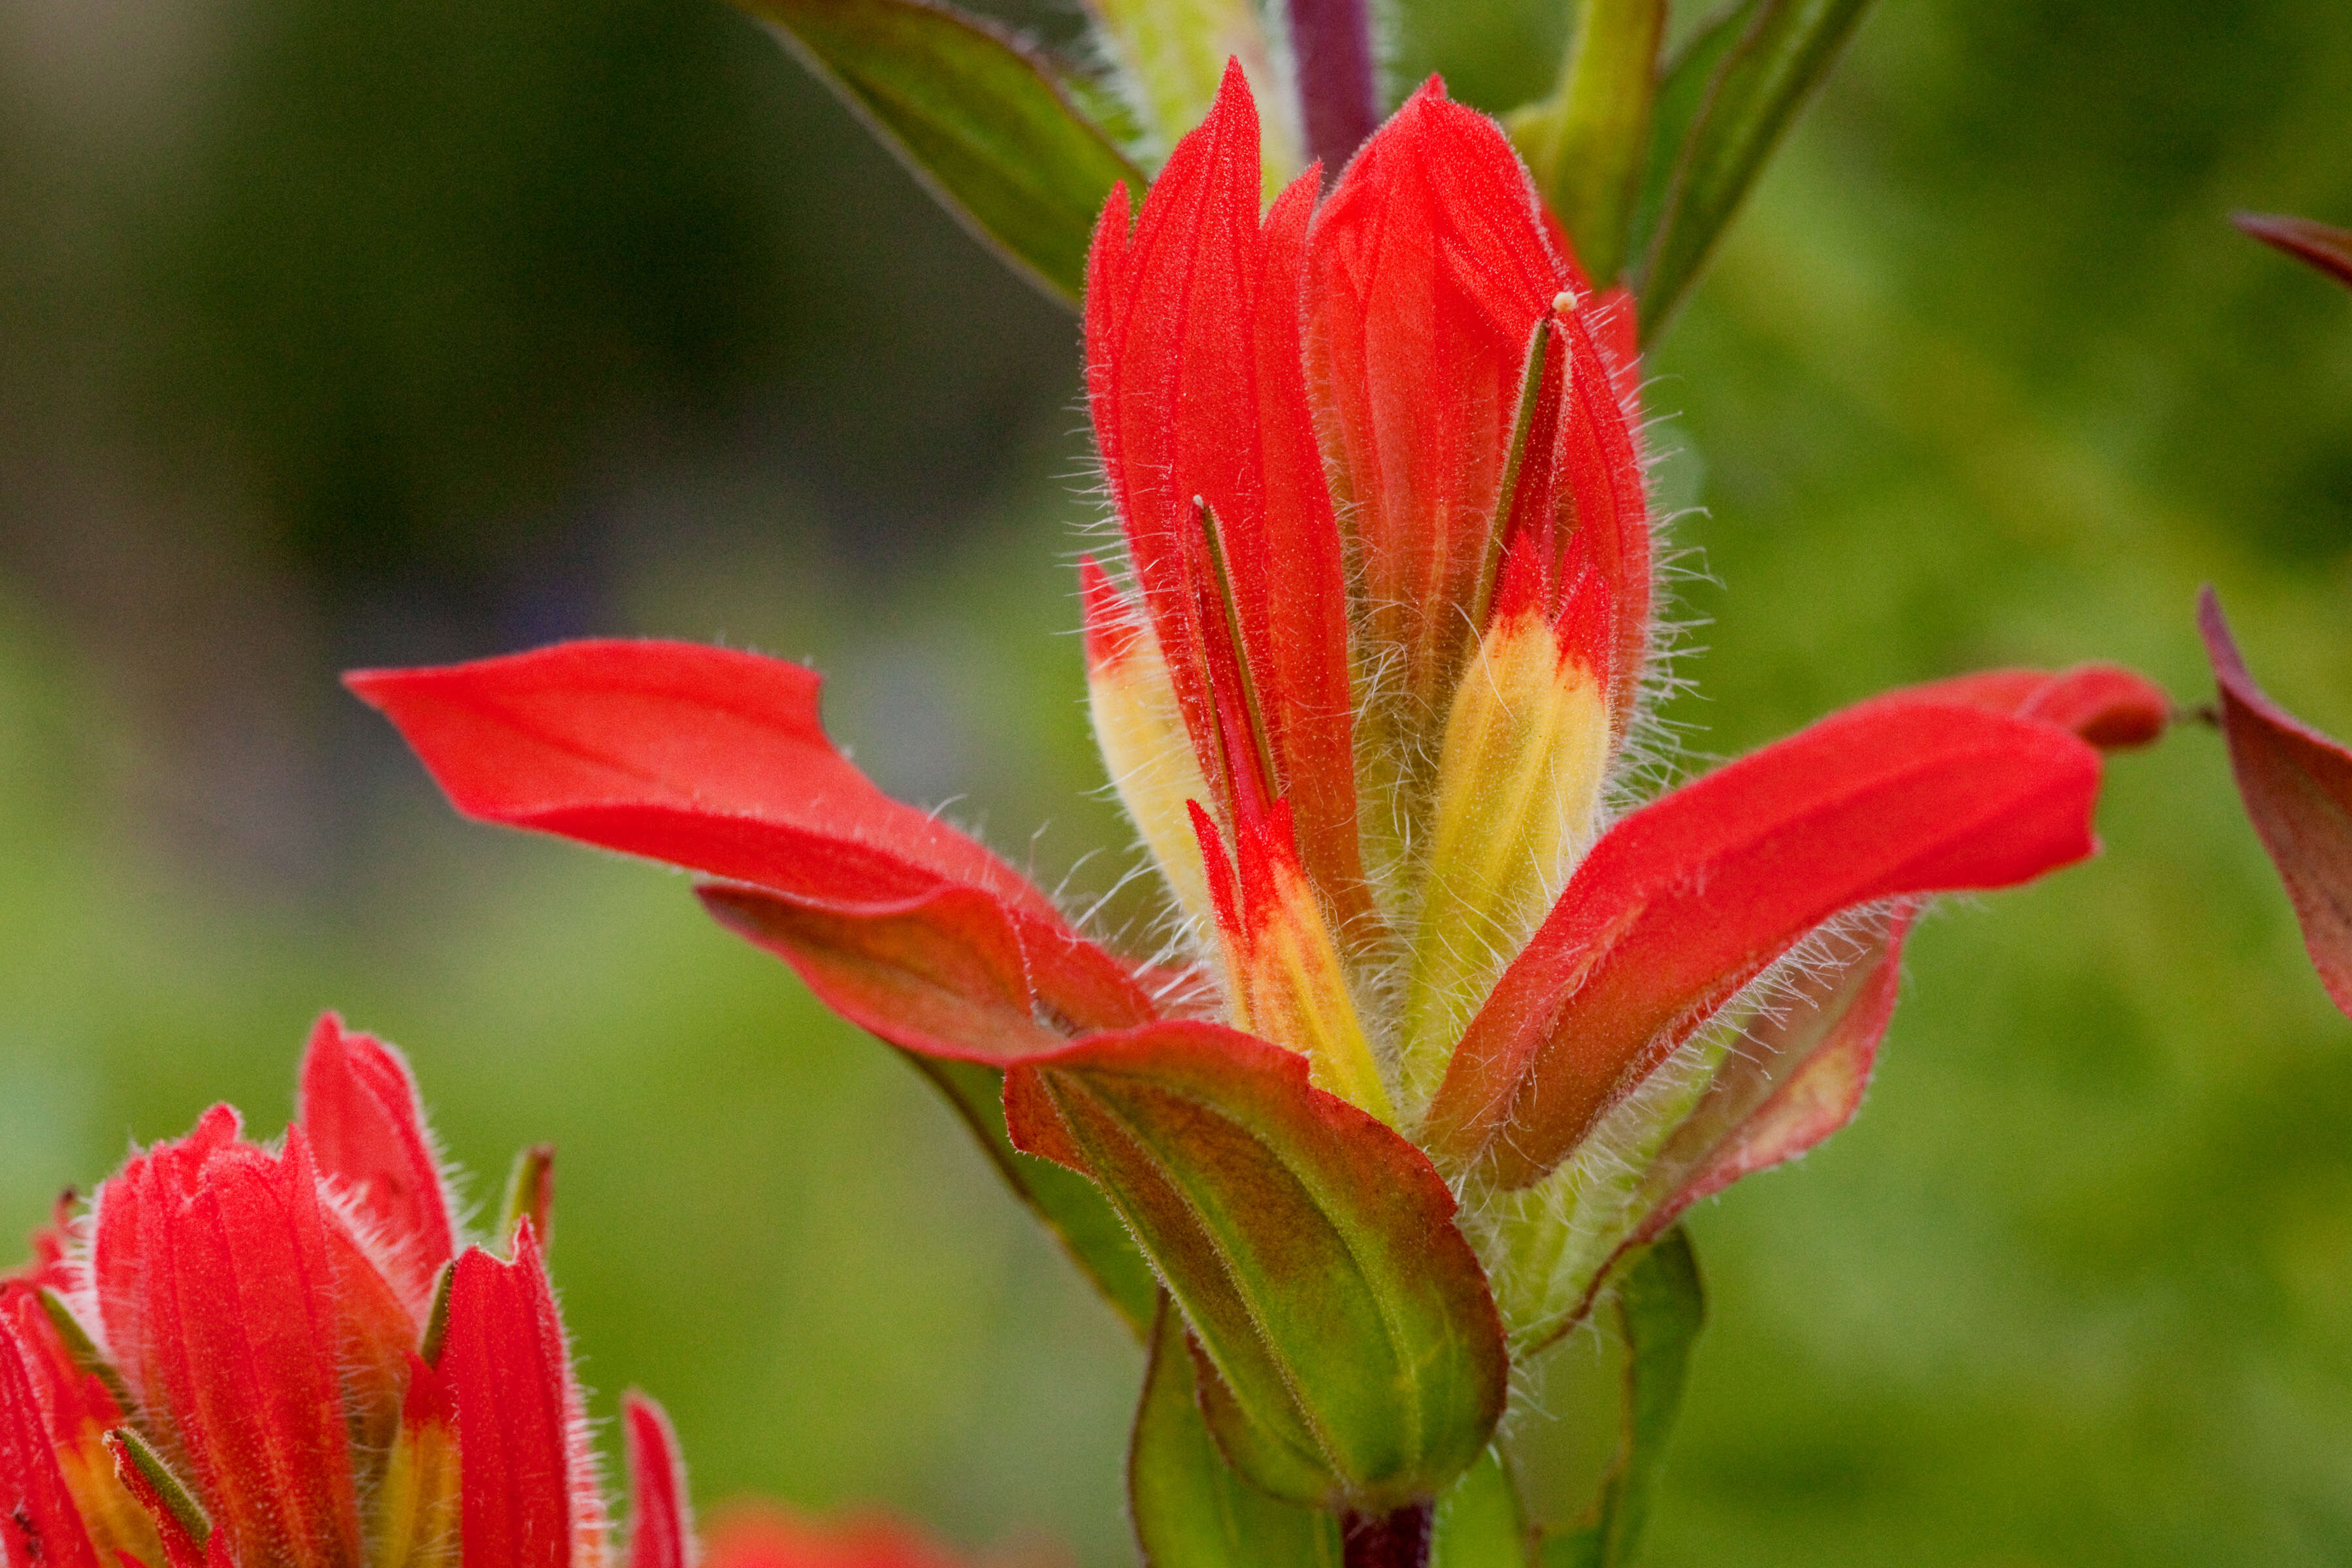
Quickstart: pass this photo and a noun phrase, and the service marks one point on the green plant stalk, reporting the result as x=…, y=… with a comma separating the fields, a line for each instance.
x=1587, y=143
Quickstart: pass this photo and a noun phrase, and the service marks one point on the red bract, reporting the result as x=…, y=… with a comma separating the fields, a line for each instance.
x=2298, y=787
x=1367, y=685
x=247, y=1357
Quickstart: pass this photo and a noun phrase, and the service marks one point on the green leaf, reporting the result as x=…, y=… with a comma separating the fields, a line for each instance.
x=1072, y=1209
x=1480, y=1523
x=1191, y=1511
x=985, y=122
x=1586, y=144
x=1359, y=1361
x=1743, y=81
x=1662, y=1306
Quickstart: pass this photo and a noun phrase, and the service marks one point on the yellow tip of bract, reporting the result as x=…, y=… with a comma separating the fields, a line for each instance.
x=1141, y=734
x=1518, y=798
x=1295, y=992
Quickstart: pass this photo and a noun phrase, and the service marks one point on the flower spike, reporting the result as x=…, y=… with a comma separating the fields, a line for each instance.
x=277, y=1403
x=1365, y=682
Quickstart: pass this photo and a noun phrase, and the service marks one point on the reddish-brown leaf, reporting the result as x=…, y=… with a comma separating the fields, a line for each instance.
x=2298, y=787
x=2326, y=247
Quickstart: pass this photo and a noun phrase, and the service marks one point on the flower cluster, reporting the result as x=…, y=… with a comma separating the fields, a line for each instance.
x=251, y=1357
x=1458, y=1021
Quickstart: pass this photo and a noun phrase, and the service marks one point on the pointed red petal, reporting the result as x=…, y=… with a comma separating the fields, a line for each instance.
x=39, y=1526
x=2296, y=784
x=661, y=1533
x=2113, y=708
x=1428, y=270
x=701, y=756
x=360, y=1107
x=2324, y=247
x=509, y=1378
x=715, y=760
x=1686, y=901
x=1199, y=396
x=1301, y=650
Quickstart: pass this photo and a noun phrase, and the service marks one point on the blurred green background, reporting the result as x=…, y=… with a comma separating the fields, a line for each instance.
x=341, y=334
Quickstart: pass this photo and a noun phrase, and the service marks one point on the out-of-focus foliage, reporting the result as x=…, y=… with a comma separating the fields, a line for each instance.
x=367, y=335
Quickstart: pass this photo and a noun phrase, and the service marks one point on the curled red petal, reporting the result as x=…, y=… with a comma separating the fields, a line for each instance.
x=701, y=756
x=525, y=1495
x=2113, y=708
x=1686, y=901
x=2296, y=784
x=661, y=1531
x=359, y=1105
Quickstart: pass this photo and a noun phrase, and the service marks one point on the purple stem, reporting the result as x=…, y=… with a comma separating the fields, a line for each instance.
x=1399, y=1540
x=1339, y=88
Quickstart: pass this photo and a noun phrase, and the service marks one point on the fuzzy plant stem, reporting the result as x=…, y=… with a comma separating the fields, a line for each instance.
x=1399, y=1540
x=1339, y=85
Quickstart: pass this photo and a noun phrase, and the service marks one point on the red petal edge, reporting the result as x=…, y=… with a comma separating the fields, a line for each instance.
x=702, y=757
x=716, y=761
x=2113, y=708
x=2296, y=784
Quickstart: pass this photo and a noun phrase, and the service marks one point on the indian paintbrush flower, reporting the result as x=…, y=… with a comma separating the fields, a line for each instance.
x=242, y=1356
x=1458, y=1021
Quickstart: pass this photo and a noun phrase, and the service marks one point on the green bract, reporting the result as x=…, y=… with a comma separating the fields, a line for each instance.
x=991, y=128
